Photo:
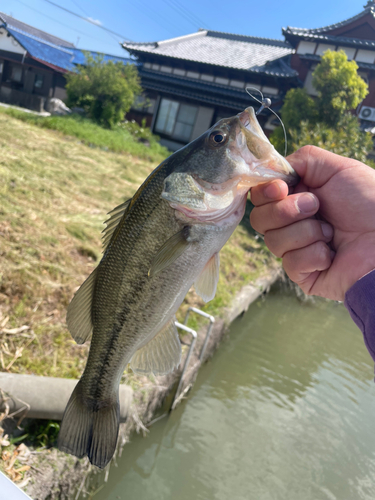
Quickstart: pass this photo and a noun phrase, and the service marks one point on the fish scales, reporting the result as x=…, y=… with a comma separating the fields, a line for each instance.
x=168, y=238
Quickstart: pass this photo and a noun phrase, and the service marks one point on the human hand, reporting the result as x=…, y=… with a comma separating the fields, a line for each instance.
x=324, y=257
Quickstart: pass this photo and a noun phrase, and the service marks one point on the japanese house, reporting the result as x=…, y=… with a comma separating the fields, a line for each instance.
x=33, y=64
x=192, y=81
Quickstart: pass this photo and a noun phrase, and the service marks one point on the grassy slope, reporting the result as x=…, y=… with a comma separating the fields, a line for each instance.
x=54, y=194
x=118, y=140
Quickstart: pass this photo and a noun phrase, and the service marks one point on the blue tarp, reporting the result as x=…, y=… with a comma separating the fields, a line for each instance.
x=61, y=57
x=79, y=57
x=52, y=54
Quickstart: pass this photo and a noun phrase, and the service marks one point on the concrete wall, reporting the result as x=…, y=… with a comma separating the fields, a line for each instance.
x=22, y=99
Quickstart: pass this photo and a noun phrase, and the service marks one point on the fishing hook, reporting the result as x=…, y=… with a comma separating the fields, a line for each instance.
x=265, y=103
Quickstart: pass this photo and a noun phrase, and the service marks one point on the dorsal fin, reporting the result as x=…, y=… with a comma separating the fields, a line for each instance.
x=111, y=223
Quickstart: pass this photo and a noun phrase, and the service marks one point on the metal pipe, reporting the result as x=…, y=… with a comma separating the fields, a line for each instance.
x=209, y=329
x=194, y=335
x=46, y=397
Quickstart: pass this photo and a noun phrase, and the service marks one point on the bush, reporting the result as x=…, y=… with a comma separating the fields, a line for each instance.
x=339, y=86
x=326, y=121
x=104, y=90
x=346, y=139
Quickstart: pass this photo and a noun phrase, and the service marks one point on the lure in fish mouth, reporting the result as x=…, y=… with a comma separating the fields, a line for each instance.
x=240, y=157
x=156, y=246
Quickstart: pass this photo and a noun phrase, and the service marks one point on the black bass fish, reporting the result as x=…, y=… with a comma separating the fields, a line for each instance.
x=157, y=245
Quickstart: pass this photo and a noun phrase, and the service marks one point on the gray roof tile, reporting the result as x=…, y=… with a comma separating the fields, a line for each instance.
x=369, y=9
x=222, y=49
x=343, y=40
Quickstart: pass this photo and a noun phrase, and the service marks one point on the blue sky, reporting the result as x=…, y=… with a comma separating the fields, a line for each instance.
x=152, y=20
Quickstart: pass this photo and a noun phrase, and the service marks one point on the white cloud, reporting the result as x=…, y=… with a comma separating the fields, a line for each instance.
x=94, y=21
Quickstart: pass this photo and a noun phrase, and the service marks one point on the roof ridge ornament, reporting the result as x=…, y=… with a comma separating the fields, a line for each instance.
x=370, y=3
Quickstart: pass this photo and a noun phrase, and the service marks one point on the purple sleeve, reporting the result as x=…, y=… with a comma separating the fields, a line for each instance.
x=360, y=302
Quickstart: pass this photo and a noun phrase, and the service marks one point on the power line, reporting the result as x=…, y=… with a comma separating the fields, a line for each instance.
x=56, y=21
x=182, y=14
x=87, y=20
x=195, y=18
x=145, y=11
x=80, y=8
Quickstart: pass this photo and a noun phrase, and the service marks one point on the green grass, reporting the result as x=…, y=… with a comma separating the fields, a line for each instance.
x=54, y=196
x=117, y=140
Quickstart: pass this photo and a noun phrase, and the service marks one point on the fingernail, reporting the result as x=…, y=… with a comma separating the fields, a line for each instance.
x=327, y=230
x=307, y=203
x=272, y=190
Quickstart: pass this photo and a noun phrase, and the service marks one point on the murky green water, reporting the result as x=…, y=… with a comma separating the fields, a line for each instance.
x=284, y=411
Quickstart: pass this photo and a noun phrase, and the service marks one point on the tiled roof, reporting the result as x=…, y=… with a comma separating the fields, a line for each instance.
x=369, y=9
x=209, y=93
x=30, y=30
x=342, y=40
x=223, y=49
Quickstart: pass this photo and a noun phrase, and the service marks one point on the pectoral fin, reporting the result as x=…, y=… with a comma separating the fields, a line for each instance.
x=206, y=284
x=111, y=224
x=78, y=316
x=170, y=251
x=161, y=355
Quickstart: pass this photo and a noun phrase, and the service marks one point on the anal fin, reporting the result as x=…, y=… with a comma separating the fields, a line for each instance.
x=161, y=355
x=206, y=284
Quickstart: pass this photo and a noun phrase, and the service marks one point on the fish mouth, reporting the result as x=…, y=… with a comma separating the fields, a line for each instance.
x=267, y=163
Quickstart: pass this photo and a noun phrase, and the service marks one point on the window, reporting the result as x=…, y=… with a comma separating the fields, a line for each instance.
x=38, y=82
x=144, y=104
x=16, y=74
x=175, y=119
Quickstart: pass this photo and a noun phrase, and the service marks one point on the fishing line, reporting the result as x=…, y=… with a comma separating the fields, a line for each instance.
x=265, y=103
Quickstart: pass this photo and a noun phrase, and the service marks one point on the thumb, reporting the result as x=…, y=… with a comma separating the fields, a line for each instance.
x=316, y=166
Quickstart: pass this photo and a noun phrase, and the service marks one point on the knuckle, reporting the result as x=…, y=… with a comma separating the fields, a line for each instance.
x=308, y=150
x=322, y=252
x=273, y=243
x=311, y=230
x=255, y=220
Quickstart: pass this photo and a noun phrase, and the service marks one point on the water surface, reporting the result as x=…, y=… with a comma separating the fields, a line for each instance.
x=284, y=411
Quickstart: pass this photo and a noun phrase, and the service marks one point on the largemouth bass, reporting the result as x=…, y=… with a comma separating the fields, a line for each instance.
x=157, y=245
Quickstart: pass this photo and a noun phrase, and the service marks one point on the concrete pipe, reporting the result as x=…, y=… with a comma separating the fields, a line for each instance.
x=46, y=397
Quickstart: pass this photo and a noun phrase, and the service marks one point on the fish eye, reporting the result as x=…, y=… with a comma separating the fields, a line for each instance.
x=218, y=137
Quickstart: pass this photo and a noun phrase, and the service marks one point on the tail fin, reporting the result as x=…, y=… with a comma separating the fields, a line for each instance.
x=90, y=428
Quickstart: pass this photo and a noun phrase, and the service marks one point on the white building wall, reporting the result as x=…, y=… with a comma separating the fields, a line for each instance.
x=9, y=44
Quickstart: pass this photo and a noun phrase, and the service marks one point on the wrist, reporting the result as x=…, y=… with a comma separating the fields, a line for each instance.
x=363, y=262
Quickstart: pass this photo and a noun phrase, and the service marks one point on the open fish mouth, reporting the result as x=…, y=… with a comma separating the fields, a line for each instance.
x=264, y=161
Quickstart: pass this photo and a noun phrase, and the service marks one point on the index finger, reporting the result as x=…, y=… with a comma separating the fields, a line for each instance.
x=268, y=192
x=316, y=166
